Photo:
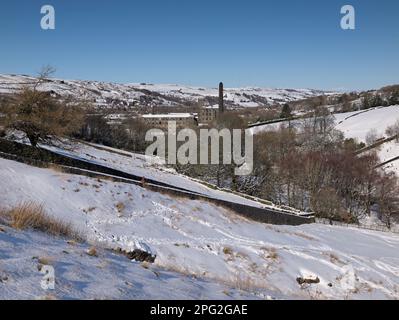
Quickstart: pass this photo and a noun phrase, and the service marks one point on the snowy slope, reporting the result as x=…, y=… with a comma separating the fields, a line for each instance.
x=107, y=95
x=389, y=151
x=357, y=124
x=80, y=276
x=354, y=124
x=209, y=242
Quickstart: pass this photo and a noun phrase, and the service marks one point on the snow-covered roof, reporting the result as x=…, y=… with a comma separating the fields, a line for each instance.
x=215, y=106
x=168, y=115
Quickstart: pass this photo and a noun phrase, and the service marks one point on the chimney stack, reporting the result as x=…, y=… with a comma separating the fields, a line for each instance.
x=221, y=98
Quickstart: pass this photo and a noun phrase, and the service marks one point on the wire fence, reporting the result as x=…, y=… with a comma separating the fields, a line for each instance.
x=393, y=229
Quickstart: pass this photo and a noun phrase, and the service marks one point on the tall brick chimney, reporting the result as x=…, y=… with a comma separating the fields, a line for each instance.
x=221, y=98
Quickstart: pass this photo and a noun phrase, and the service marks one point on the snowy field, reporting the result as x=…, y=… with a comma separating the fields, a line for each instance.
x=190, y=238
x=357, y=124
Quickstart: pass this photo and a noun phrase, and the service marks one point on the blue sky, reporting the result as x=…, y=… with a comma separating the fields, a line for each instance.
x=273, y=43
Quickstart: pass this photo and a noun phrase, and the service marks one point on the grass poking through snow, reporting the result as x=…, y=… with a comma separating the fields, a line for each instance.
x=30, y=215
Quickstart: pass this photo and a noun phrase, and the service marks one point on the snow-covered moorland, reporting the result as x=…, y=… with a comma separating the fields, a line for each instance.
x=106, y=95
x=220, y=249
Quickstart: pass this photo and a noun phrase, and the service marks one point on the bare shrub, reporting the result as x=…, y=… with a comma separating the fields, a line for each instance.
x=393, y=130
x=29, y=215
x=335, y=259
x=270, y=253
x=227, y=251
x=92, y=252
x=120, y=206
x=45, y=261
x=245, y=283
x=372, y=137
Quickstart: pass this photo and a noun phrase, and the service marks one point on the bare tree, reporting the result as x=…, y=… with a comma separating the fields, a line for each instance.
x=393, y=130
x=40, y=116
x=43, y=75
x=387, y=197
x=372, y=137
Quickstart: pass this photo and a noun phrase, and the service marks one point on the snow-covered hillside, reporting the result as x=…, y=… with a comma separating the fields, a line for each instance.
x=357, y=125
x=108, y=95
x=190, y=237
x=107, y=276
x=389, y=151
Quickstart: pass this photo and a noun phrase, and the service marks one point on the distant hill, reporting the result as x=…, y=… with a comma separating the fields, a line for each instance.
x=130, y=96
